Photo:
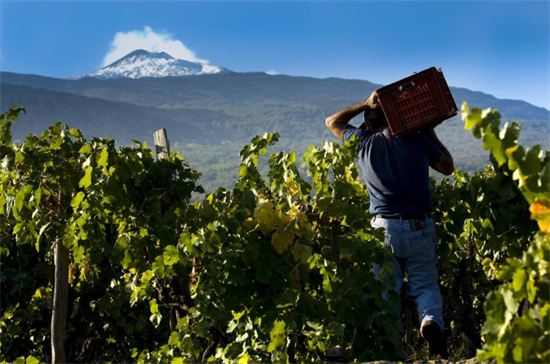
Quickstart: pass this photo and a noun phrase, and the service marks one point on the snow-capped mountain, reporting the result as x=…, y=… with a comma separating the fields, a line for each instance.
x=141, y=63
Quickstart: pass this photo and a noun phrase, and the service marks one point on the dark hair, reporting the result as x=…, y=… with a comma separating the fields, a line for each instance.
x=375, y=118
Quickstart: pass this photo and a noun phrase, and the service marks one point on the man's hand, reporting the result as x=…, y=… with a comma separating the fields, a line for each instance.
x=372, y=101
x=337, y=123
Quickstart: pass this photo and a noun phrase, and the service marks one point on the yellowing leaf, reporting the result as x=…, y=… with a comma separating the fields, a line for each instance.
x=250, y=223
x=292, y=188
x=540, y=211
x=72, y=272
x=38, y=293
x=266, y=216
x=281, y=240
x=511, y=150
x=265, y=204
x=244, y=359
x=295, y=212
x=301, y=253
x=282, y=219
x=266, y=229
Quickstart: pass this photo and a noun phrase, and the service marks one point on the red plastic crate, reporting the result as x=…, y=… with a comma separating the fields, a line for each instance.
x=417, y=101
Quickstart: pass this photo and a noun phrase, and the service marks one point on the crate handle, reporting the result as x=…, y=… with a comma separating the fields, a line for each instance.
x=406, y=86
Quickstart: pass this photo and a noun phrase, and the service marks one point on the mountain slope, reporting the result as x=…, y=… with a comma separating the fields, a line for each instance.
x=201, y=112
x=95, y=117
x=174, y=92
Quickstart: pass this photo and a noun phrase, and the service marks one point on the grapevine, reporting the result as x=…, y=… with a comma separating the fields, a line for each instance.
x=278, y=269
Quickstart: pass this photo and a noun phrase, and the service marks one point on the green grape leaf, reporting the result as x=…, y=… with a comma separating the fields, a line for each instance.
x=31, y=360
x=472, y=118
x=233, y=324
x=86, y=149
x=183, y=322
x=244, y=359
x=122, y=243
x=277, y=336
x=243, y=171
x=519, y=280
x=171, y=255
x=104, y=158
x=75, y=202
x=155, y=317
x=86, y=181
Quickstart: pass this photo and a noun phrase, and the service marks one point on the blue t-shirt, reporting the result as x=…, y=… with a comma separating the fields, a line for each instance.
x=396, y=170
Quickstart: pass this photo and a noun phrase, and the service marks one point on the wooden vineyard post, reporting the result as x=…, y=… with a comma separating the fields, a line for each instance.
x=60, y=302
x=162, y=144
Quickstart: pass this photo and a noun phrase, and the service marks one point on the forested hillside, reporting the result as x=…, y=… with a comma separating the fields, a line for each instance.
x=209, y=117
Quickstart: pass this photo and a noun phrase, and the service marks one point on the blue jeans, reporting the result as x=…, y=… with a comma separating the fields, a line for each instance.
x=414, y=253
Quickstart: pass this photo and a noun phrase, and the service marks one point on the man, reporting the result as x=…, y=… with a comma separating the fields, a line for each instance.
x=396, y=172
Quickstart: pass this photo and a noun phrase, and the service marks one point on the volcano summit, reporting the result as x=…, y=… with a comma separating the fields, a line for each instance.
x=141, y=63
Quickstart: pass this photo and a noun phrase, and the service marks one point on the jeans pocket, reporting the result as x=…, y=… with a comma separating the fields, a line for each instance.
x=388, y=242
x=423, y=246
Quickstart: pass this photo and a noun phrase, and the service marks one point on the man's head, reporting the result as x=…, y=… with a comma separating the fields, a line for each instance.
x=375, y=120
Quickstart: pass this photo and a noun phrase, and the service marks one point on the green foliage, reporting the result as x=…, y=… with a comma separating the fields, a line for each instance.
x=210, y=117
x=272, y=271
x=517, y=328
x=116, y=210
x=277, y=269
x=275, y=286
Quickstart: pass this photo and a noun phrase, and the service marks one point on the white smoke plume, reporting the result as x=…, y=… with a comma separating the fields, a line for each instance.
x=151, y=41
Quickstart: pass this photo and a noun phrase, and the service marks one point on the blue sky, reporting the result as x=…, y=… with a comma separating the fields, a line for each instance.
x=498, y=47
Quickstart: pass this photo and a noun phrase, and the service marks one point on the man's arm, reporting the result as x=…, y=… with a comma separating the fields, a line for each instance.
x=445, y=164
x=337, y=123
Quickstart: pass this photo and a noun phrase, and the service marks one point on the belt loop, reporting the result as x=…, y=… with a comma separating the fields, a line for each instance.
x=400, y=228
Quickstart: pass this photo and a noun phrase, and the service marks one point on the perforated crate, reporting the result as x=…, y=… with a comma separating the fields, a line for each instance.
x=417, y=101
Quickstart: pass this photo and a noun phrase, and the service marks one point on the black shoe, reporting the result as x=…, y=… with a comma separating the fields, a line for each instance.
x=338, y=354
x=431, y=332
